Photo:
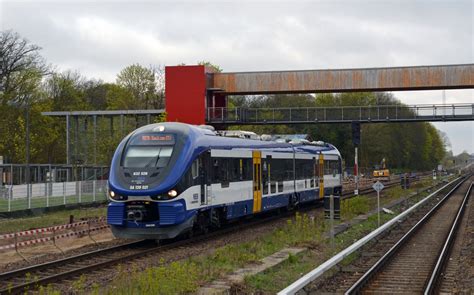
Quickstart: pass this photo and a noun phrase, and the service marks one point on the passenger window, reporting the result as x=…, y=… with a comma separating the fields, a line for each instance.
x=195, y=169
x=216, y=176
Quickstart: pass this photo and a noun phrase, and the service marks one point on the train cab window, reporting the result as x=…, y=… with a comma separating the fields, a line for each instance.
x=147, y=156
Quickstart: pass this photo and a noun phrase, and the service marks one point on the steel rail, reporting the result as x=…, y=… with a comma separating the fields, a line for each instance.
x=29, y=269
x=317, y=272
x=359, y=284
x=349, y=193
x=443, y=256
x=84, y=269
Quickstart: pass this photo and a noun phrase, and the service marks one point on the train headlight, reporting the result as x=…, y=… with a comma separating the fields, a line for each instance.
x=160, y=128
x=117, y=197
x=172, y=193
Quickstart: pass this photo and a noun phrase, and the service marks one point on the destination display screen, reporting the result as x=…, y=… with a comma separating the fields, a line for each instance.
x=153, y=139
x=156, y=138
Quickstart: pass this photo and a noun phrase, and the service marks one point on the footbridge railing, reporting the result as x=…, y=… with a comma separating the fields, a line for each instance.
x=341, y=114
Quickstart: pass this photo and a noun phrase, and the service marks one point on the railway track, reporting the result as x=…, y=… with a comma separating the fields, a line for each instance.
x=32, y=277
x=14, y=282
x=415, y=262
x=347, y=194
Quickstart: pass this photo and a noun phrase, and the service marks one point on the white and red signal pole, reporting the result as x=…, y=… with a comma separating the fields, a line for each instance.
x=356, y=173
x=356, y=142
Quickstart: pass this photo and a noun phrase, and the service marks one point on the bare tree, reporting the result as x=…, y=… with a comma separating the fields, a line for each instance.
x=20, y=64
x=444, y=139
x=159, y=97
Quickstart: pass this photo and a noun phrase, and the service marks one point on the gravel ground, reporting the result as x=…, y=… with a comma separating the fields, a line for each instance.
x=70, y=246
x=463, y=280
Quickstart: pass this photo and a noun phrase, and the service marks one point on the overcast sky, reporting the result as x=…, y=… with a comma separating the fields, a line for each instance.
x=99, y=38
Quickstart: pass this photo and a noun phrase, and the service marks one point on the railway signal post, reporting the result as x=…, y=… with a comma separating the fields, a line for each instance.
x=356, y=142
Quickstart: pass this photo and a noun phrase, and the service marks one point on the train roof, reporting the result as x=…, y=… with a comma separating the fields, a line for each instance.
x=203, y=138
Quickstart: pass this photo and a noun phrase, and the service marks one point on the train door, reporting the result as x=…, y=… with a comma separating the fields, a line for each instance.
x=314, y=179
x=266, y=175
x=257, y=181
x=205, y=177
x=321, y=175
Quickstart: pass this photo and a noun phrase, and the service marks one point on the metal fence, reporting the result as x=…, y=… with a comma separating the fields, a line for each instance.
x=50, y=185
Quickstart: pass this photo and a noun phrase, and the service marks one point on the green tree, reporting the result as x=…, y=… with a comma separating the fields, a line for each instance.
x=405, y=146
x=95, y=94
x=65, y=90
x=140, y=81
x=119, y=98
x=214, y=67
x=21, y=72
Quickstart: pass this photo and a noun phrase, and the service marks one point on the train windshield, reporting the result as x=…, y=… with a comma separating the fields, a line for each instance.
x=147, y=156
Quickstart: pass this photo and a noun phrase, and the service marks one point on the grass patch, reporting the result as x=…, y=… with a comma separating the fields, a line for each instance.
x=354, y=206
x=277, y=278
x=174, y=278
x=196, y=271
x=49, y=219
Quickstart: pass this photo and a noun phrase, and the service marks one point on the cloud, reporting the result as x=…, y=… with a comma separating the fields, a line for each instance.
x=99, y=38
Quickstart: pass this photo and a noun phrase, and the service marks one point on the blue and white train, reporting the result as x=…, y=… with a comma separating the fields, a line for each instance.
x=169, y=179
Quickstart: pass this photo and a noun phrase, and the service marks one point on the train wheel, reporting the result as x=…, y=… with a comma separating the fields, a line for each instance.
x=189, y=234
x=292, y=202
x=216, y=218
x=201, y=225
